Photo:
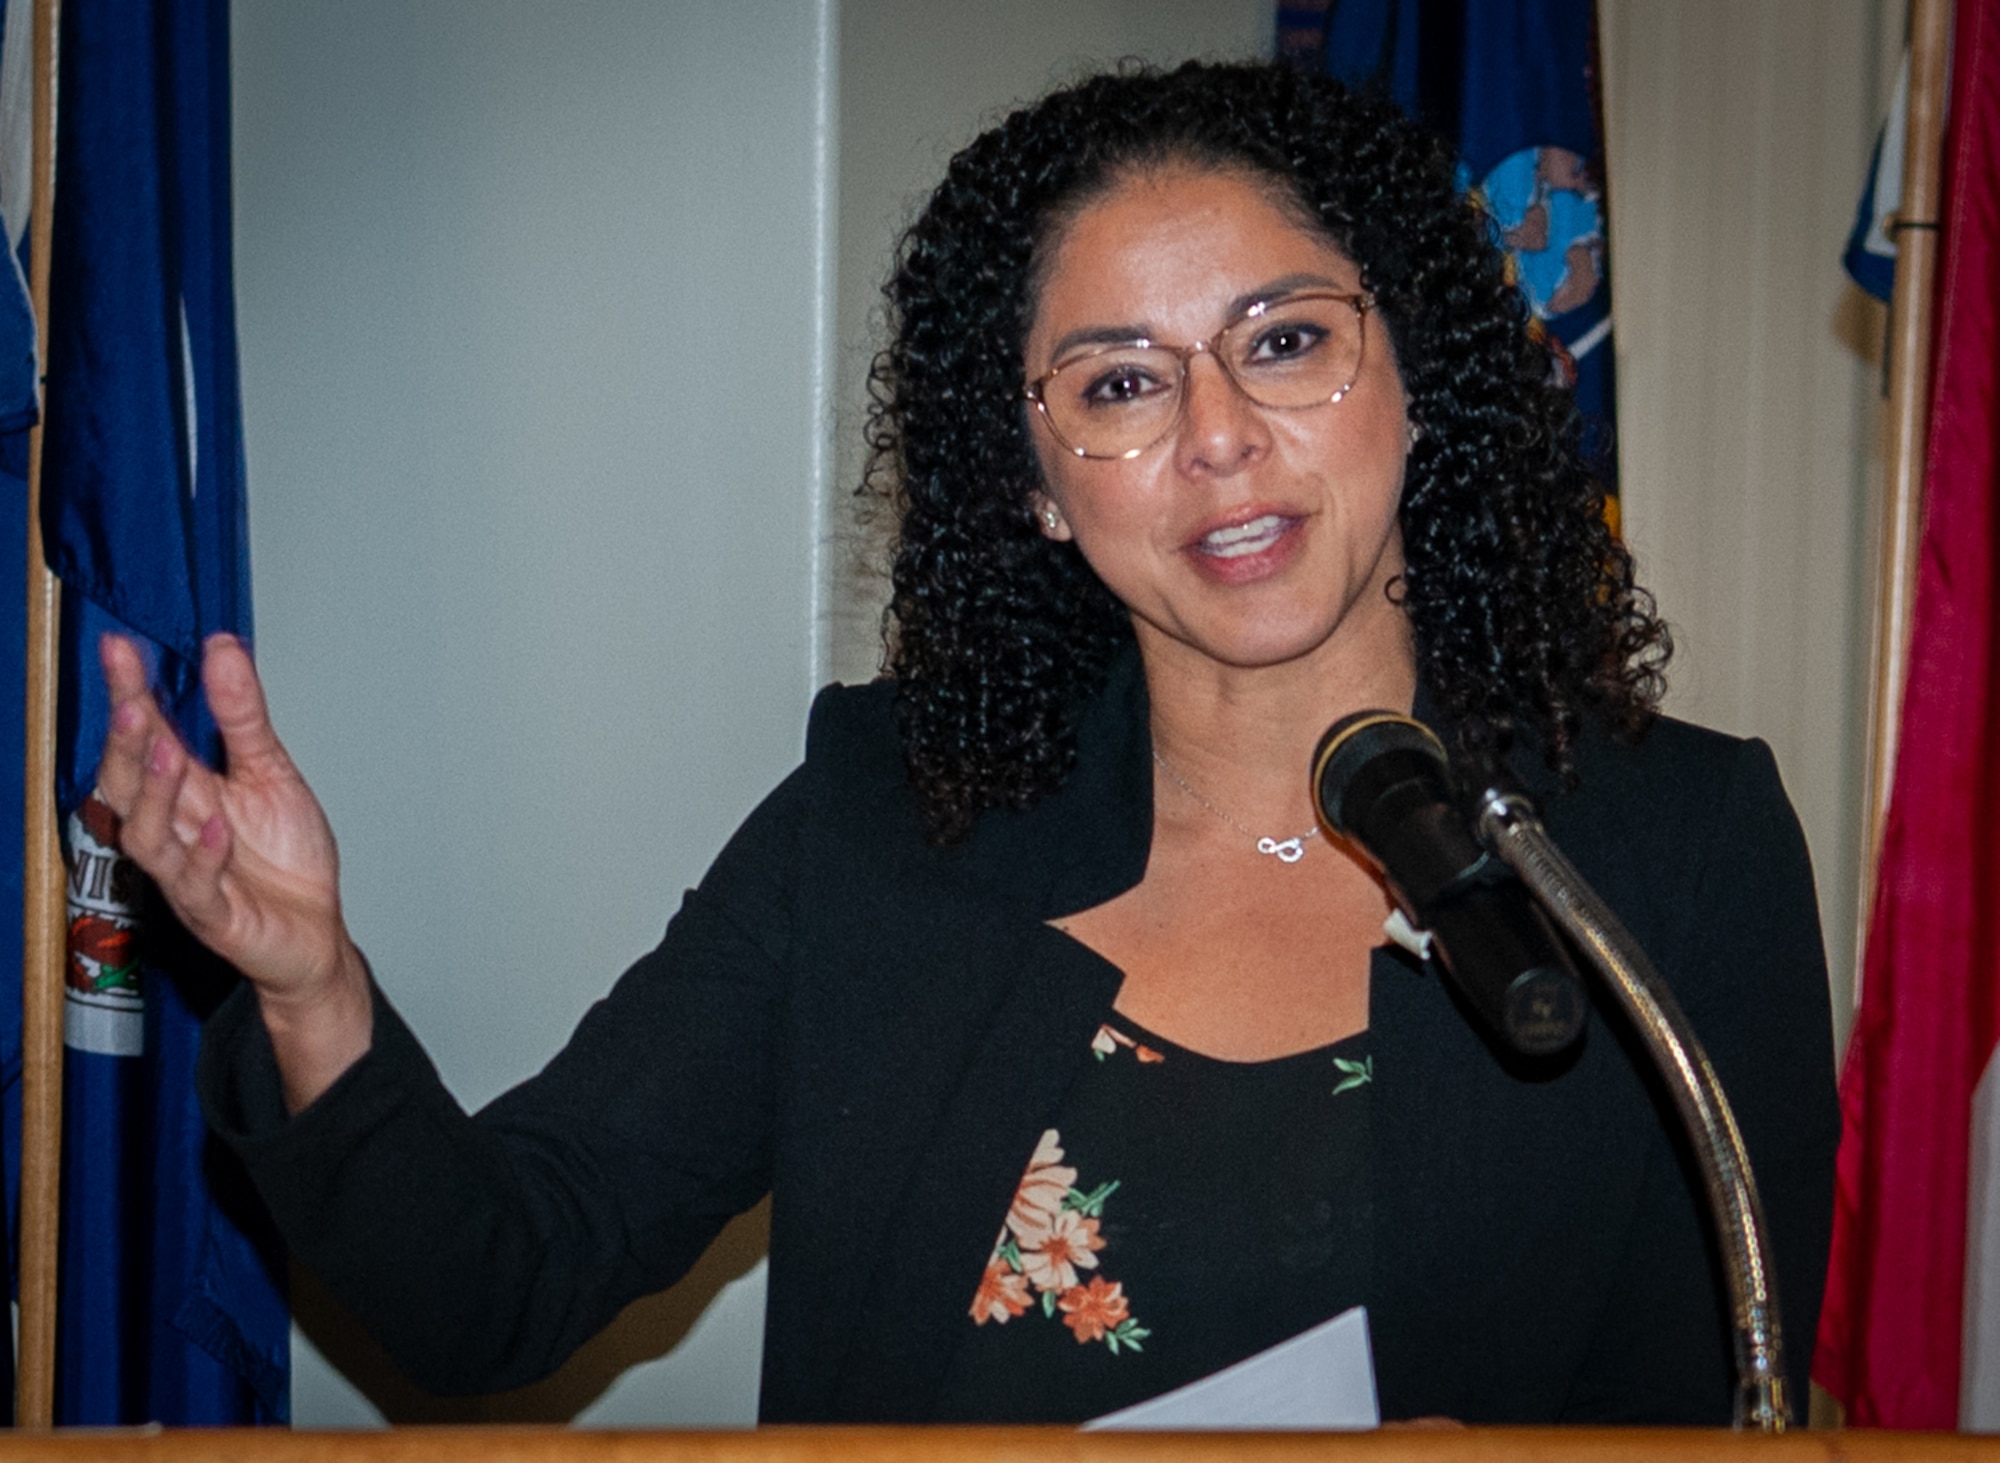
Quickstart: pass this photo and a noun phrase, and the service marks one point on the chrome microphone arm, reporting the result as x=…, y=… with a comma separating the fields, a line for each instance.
x=1509, y=826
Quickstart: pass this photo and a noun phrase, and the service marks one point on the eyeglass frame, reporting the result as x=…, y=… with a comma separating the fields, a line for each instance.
x=1363, y=301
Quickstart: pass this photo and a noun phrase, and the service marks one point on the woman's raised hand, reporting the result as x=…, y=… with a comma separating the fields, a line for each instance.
x=245, y=858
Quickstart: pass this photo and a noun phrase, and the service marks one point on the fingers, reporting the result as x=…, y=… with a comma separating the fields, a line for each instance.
x=148, y=834
x=200, y=898
x=136, y=723
x=124, y=671
x=183, y=851
x=236, y=700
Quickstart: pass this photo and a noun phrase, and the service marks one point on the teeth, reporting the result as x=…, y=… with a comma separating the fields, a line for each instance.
x=1245, y=538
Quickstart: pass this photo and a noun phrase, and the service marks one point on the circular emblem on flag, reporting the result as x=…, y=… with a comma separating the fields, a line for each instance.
x=1549, y=212
x=104, y=1007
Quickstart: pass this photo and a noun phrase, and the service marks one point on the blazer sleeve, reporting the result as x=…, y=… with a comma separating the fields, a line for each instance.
x=1749, y=971
x=482, y=1250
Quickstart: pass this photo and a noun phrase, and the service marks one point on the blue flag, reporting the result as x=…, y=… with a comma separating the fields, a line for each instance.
x=1870, y=256
x=172, y=1305
x=1513, y=84
x=19, y=410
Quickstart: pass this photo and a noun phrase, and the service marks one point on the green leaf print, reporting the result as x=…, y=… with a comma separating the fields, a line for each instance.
x=1034, y=1262
x=117, y=978
x=1127, y=1333
x=1358, y=1074
x=1090, y=1205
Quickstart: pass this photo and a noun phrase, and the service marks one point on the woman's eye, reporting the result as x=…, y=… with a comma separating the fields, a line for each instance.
x=1117, y=385
x=1285, y=340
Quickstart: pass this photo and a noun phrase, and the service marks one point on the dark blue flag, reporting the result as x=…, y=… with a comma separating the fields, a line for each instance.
x=19, y=409
x=1514, y=84
x=171, y=1304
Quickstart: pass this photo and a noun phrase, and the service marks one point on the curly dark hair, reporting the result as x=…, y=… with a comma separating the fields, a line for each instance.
x=1523, y=605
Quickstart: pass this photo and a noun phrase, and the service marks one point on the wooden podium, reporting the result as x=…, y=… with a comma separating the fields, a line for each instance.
x=988, y=1445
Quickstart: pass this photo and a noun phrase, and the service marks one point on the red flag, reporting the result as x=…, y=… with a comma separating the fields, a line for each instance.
x=1896, y=1333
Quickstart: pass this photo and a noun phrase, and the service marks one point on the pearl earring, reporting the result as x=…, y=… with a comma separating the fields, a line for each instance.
x=1051, y=518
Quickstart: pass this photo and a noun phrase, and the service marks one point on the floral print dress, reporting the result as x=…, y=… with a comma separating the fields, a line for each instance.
x=1183, y=1213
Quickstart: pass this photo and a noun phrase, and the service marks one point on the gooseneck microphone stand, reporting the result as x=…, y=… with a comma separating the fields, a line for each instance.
x=1507, y=824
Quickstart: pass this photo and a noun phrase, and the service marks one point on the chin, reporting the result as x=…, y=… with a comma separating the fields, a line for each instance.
x=1286, y=639
x=1269, y=647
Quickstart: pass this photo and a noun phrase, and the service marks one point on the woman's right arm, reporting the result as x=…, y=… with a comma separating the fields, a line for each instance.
x=244, y=857
x=480, y=1250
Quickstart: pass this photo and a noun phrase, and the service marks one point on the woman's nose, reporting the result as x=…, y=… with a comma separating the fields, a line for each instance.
x=1222, y=430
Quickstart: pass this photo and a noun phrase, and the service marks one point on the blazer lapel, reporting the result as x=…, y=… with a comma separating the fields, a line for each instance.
x=956, y=1197
x=1074, y=850
x=1503, y=1193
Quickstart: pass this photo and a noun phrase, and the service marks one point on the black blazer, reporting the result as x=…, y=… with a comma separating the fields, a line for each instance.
x=877, y=1032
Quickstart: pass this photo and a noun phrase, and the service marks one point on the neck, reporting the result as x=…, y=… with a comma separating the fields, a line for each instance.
x=1243, y=736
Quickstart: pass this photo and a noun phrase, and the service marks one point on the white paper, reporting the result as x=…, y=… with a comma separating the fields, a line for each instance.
x=1322, y=1378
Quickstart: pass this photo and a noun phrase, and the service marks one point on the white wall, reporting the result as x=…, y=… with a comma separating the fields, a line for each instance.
x=531, y=299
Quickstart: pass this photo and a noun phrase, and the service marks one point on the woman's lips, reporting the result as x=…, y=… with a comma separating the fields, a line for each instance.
x=1247, y=550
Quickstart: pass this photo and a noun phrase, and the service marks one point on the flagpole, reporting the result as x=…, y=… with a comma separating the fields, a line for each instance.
x=1905, y=432
x=43, y=922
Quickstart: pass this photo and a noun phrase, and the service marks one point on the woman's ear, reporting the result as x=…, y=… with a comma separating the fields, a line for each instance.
x=1049, y=518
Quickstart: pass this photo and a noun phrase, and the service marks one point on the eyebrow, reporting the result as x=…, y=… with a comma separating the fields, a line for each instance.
x=1289, y=285
x=1238, y=308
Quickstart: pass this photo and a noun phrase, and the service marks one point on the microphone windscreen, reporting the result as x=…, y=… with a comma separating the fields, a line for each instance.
x=1363, y=754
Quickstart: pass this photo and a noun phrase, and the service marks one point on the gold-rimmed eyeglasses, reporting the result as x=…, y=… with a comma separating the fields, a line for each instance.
x=1113, y=401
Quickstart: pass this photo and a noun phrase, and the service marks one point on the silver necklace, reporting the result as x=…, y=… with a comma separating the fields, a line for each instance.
x=1284, y=850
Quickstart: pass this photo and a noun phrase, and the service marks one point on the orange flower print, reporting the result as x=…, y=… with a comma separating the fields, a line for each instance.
x=1040, y=1197
x=1109, y=1038
x=1053, y=1231
x=1068, y=1244
x=1092, y=1311
x=1002, y=1294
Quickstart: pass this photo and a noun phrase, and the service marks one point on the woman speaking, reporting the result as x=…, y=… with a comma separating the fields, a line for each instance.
x=1067, y=1044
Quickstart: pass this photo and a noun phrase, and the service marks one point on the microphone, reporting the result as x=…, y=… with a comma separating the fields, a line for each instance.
x=1383, y=782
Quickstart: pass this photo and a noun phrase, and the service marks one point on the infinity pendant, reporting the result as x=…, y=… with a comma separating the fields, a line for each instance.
x=1289, y=851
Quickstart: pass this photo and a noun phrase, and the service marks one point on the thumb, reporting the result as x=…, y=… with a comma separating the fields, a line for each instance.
x=236, y=700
